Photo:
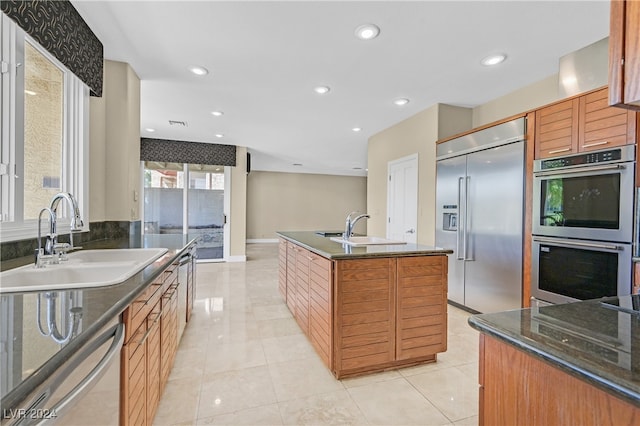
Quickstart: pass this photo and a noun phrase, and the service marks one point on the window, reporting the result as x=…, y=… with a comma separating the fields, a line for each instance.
x=44, y=113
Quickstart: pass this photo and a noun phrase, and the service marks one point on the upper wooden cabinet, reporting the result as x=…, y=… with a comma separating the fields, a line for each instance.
x=624, y=54
x=580, y=124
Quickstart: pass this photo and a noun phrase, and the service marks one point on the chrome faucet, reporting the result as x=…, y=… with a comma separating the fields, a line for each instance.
x=41, y=257
x=76, y=224
x=351, y=223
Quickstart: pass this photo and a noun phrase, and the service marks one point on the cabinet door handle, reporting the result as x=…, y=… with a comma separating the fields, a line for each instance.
x=556, y=151
x=589, y=145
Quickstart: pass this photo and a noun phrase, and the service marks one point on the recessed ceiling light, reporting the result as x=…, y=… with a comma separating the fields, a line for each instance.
x=219, y=135
x=150, y=130
x=401, y=101
x=297, y=164
x=493, y=59
x=367, y=31
x=357, y=168
x=30, y=92
x=197, y=70
x=217, y=113
x=322, y=90
x=357, y=129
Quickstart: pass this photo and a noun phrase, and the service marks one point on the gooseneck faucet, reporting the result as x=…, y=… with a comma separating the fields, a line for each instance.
x=76, y=220
x=53, y=251
x=351, y=223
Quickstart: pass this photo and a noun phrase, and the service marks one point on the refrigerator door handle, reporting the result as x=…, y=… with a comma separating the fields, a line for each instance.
x=461, y=223
x=467, y=216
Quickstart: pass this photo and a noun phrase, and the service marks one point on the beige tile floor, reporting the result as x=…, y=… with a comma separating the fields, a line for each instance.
x=244, y=361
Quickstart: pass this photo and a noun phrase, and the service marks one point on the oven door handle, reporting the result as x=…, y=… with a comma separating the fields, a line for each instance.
x=580, y=170
x=577, y=243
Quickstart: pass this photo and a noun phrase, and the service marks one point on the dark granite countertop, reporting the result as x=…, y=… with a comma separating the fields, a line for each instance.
x=325, y=247
x=590, y=340
x=31, y=356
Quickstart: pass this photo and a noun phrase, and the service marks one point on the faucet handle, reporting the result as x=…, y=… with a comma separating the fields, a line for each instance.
x=60, y=250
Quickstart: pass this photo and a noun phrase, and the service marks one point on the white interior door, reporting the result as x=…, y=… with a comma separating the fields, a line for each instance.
x=402, y=199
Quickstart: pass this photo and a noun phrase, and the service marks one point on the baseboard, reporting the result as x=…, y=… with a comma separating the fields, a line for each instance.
x=242, y=258
x=262, y=240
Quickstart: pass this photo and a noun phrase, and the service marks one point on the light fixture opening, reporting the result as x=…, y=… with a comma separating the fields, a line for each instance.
x=217, y=113
x=401, y=101
x=150, y=130
x=493, y=59
x=198, y=70
x=357, y=129
x=367, y=31
x=322, y=90
x=219, y=135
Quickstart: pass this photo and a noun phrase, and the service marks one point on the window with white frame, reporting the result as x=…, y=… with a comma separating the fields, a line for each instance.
x=44, y=113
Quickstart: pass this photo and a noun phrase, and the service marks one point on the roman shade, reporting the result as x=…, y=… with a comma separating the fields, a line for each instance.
x=172, y=151
x=60, y=29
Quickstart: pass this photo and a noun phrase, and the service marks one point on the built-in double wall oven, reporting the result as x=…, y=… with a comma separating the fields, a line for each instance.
x=583, y=210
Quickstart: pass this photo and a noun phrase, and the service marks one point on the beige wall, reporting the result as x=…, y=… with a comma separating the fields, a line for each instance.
x=302, y=202
x=417, y=134
x=525, y=99
x=114, y=163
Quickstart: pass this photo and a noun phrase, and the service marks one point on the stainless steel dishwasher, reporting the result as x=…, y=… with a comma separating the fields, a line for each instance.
x=84, y=391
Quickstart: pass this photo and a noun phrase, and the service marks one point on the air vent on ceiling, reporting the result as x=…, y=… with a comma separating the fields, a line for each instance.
x=177, y=123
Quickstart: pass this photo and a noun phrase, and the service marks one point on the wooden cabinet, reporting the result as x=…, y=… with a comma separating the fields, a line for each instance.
x=149, y=349
x=303, y=258
x=624, y=54
x=282, y=269
x=421, y=325
x=519, y=389
x=581, y=124
x=365, y=313
x=291, y=277
x=320, y=315
x=368, y=314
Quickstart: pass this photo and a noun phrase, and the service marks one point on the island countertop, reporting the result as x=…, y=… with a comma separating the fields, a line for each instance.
x=590, y=340
x=325, y=247
x=39, y=356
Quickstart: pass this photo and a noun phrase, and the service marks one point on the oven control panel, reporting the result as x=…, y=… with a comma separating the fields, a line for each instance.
x=581, y=159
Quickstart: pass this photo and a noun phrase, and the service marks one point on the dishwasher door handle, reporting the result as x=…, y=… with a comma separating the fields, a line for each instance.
x=117, y=334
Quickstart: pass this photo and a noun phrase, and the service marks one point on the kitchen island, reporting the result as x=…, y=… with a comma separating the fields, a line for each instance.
x=575, y=363
x=366, y=308
x=31, y=356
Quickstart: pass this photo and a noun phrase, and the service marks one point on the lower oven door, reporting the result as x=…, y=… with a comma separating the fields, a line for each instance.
x=565, y=270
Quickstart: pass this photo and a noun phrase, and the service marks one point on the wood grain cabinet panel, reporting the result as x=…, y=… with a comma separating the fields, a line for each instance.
x=365, y=313
x=557, y=129
x=624, y=54
x=519, y=389
x=582, y=124
x=303, y=259
x=602, y=126
x=421, y=325
x=320, y=318
x=291, y=277
x=282, y=268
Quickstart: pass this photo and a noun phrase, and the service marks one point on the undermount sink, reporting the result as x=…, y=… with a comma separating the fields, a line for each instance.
x=366, y=241
x=89, y=268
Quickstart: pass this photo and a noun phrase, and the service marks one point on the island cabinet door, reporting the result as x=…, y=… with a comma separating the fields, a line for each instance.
x=365, y=313
x=282, y=268
x=291, y=277
x=303, y=257
x=421, y=325
x=320, y=319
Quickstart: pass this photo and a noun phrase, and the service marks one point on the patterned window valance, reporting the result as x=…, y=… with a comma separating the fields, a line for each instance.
x=60, y=29
x=187, y=152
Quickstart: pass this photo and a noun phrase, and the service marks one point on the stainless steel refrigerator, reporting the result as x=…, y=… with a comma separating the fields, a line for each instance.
x=479, y=215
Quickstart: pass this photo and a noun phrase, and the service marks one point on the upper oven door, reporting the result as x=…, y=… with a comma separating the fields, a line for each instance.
x=593, y=202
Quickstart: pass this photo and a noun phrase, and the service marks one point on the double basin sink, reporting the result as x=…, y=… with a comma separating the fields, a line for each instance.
x=88, y=268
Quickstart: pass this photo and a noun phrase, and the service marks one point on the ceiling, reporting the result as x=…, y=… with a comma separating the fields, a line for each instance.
x=265, y=58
